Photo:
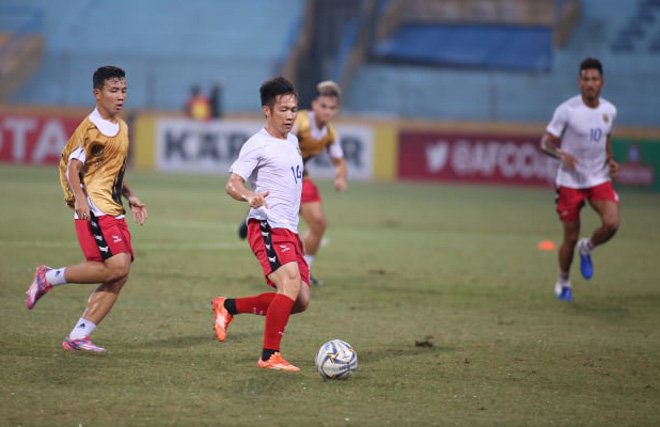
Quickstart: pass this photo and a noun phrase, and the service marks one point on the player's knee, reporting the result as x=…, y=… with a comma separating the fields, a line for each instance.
x=571, y=239
x=319, y=224
x=117, y=272
x=301, y=304
x=291, y=285
x=611, y=225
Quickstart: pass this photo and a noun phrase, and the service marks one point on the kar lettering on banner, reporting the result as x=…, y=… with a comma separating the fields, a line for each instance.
x=190, y=146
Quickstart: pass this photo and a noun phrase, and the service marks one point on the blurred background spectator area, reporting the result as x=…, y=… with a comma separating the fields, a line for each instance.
x=449, y=60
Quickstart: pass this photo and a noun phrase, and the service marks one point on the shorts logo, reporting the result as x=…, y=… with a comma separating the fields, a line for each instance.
x=116, y=239
x=284, y=248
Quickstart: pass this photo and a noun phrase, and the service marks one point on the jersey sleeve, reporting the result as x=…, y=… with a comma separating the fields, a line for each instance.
x=335, y=150
x=558, y=123
x=248, y=159
x=78, y=154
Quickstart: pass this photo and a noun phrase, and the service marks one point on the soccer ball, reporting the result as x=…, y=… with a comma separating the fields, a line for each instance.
x=336, y=360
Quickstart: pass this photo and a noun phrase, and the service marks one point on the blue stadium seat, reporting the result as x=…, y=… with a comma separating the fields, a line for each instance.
x=459, y=93
x=166, y=46
x=486, y=46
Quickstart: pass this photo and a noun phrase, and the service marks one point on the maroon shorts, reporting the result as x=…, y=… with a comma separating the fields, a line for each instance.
x=309, y=192
x=275, y=247
x=571, y=200
x=102, y=237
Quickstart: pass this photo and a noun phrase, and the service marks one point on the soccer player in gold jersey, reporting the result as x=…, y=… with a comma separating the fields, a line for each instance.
x=91, y=174
x=315, y=134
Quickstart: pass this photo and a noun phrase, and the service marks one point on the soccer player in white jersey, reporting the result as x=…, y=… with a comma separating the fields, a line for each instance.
x=271, y=161
x=316, y=134
x=579, y=136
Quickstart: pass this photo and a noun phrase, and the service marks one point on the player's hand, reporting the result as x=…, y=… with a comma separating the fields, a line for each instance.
x=568, y=160
x=340, y=184
x=614, y=167
x=82, y=209
x=258, y=200
x=138, y=209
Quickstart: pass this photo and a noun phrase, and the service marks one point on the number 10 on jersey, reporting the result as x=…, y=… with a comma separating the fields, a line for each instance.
x=596, y=134
x=297, y=173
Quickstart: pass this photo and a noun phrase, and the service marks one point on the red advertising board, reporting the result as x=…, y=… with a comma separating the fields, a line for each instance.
x=34, y=138
x=498, y=159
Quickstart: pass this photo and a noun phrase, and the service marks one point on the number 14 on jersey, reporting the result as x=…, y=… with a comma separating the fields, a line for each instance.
x=297, y=173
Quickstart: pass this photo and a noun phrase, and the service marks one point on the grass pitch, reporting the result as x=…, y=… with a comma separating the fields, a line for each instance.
x=439, y=288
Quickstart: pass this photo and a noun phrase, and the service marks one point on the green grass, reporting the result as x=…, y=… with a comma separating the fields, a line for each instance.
x=454, y=266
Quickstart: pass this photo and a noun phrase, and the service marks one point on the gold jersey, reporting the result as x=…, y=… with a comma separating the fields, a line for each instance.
x=103, y=174
x=310, y=146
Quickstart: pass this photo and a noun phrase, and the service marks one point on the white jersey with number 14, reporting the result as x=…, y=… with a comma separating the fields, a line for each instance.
x=274, y=165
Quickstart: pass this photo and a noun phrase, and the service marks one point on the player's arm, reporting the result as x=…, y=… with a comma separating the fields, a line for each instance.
x=337, y=157
x=236, y=189
x=138, y=208
x=550, y=146
x=73, y=171
x=340, y=173
x=611, y=161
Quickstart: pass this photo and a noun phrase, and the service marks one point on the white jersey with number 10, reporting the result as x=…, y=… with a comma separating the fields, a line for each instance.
x=583, y=132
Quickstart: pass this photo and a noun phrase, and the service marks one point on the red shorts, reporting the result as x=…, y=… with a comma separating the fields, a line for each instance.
x=571, y=200
x=102, y=237
x=309, y=192
x=275, y=247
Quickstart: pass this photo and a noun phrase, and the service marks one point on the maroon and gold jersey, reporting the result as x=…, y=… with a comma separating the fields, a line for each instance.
x=105, y=164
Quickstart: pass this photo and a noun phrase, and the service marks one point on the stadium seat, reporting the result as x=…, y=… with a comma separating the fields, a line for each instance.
x=165, y=48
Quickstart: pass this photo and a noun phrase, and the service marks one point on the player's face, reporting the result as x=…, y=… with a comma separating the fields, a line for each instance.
x=110, y=99
x=281, y=117
x=325, y=108
x=590, y=81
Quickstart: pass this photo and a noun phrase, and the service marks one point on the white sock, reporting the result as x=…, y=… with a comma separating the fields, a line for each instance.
x=55, y=276
x=82, y=329
x=588, y=245
x=309, y=259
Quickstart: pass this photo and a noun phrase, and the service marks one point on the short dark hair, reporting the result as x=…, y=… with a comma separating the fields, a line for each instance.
x=277, y=86
x=106, y=72
x=591, y=63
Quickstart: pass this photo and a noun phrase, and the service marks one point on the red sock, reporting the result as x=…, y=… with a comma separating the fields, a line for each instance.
x=277, y=317
x=257, y=304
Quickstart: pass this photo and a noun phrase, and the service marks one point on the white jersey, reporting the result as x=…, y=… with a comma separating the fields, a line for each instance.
x=275, y=165
x=583, y=131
